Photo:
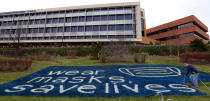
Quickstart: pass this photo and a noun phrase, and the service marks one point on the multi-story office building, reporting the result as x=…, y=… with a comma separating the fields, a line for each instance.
x=92, y=23
x=180, y=31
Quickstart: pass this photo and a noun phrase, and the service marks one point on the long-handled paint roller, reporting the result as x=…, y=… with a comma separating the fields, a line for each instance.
x=205, y=85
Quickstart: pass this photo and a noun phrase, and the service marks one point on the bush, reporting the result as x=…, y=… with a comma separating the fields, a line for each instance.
x=82, y=51
x=102, y=56
x=140, y=58
x=13, y=65
x=160, y=50
x=202, y=57
x=71, y=54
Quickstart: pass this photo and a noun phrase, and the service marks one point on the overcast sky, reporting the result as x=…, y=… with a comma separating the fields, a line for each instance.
x=157, y=11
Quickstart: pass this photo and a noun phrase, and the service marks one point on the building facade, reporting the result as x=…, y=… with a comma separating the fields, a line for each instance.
x=180, y=31
x=92, y=23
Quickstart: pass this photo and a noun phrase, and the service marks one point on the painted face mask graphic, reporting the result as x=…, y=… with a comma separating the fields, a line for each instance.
x=151, y=71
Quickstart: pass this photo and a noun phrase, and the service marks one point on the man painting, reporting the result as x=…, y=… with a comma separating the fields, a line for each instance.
x=193, y=74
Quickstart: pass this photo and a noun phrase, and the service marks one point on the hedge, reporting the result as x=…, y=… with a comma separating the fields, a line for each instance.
x=160, y=50
x=202, y=57
x=80, y=51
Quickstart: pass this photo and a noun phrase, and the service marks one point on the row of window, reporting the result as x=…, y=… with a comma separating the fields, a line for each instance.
x=68, y=11
x=185, y=25
x=177, y=36
x=69, y=19
x=72, y=37
x=70, y=29
x=171, y=28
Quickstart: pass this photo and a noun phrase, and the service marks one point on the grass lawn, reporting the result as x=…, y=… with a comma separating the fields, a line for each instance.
x=84, y=61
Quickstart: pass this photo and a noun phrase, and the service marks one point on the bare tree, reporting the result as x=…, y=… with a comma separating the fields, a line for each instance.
x=117, y=49
x=15, y=35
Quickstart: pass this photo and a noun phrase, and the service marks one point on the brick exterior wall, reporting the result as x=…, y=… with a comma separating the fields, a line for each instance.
x=174, y=32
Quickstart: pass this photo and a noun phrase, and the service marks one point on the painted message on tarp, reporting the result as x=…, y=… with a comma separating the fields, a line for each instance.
x=104, y=81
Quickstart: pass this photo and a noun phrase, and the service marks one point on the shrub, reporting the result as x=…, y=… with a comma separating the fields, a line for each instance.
x=71, y=54
x=135, y=49
x=95, y=49
x=13, y=65
x=202, y=57
x=140, y=58
x=160, y=50
x=82, y=51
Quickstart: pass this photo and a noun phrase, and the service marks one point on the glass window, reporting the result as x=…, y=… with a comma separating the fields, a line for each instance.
x=42, y=21
x=54, y=30
x=111, y=27
x=74, y=29
x=103, y=36
x=119, y=8
x=95, y=36
x=49, y=21
x=67, y=29
x=30, y=30
x=48, y=30
x=127, y=8
x=81, y=19
x=1, y=31
x=96, y=9
x=128, y=27
x=90, y=10
x=103, y=28
x=7, y=31
x=25, y=22
x=142, y=14
x=10, y=23
x=75, y=19
x=81, y=11
x=104, y=9
x=96, y=18
x=61, y=20
x=55, y=20
x=37, y=21
x=59, y=37
x=41, y=30
x=32, y=14
x=88, y=28
x=66, y=37
x=36, y=30
x=23, y=31
x=3, y=24
x=60, y=29
x=30, y=22
x=128, y=17
x=104, y=17
x=68, y=19
x=89, y=18
x=120, y=17
x=70, y=11
x=111, y=9
x=62, y=12
x=0, y=23
x=119, y=27
x=95, y=28
x=111, y=17
x=87, y=37
x=75, y=11
x=81, y=29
